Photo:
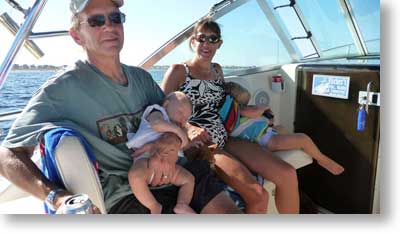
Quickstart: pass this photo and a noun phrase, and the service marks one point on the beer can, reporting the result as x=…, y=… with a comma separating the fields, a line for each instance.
x=77, y=204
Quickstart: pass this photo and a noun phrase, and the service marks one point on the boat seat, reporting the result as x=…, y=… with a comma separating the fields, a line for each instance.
x=76, y=171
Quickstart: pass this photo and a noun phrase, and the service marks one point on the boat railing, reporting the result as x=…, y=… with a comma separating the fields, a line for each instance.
x=23, y=34
x=216, y=11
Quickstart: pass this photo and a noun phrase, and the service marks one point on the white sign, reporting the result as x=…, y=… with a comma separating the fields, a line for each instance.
x=331, y=86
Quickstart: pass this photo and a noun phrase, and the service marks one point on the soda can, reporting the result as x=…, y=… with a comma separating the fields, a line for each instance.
x=77, y=204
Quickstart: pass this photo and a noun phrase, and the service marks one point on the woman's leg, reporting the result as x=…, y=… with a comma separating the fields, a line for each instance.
x=237, y=176
x=262, y=161
x=221, y=204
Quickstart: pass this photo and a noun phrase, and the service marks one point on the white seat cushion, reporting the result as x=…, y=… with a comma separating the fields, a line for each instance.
x=77, y=172
x=296, y=158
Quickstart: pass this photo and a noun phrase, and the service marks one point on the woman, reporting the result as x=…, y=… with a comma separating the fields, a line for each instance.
x=203, y=82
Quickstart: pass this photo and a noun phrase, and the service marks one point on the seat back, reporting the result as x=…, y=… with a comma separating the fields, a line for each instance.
x=77, y=171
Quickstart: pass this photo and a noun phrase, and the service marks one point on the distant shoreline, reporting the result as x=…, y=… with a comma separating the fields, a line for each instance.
x=42, y=68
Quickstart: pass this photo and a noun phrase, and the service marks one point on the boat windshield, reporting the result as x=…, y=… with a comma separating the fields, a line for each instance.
x=275, y=32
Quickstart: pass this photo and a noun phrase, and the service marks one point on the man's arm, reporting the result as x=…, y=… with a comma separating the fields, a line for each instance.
x=18, y=168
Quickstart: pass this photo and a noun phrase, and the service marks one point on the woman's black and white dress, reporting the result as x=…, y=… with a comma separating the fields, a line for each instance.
x=206, y=97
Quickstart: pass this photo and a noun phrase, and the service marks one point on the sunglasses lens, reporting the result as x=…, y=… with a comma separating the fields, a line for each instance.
x=213, y=39
x=117, y=17
x=202, y=38
x=100, y=20
x=96, y=20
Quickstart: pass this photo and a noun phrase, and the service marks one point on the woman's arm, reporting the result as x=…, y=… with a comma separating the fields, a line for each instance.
x=173, y=78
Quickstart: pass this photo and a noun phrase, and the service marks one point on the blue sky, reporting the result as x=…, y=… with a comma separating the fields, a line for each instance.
x=142, y=32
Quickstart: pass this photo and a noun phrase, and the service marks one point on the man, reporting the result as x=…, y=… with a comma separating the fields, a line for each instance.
x=93, y=96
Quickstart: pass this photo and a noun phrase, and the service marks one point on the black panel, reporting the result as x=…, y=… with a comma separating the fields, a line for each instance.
x=331, y=123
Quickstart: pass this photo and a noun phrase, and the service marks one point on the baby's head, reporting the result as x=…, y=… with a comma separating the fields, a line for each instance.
x=238, y=92
x=178, y=107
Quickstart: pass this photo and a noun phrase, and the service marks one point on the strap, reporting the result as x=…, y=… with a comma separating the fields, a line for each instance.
x=217, y=74
x=187, y=70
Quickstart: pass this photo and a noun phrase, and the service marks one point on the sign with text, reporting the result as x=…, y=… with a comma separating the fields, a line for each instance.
x=331, y=86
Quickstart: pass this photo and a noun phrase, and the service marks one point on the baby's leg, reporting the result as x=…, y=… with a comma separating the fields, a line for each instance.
x=185, y=180
x=139, y=177
x=302, y=141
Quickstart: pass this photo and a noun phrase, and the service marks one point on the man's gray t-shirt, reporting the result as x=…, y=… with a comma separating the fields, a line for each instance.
x=84, y=99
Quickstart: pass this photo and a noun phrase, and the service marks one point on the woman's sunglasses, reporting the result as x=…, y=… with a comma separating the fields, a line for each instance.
x=100, y=20
x=213, y=39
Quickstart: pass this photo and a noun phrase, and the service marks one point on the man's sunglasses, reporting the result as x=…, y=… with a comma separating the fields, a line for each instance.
x=213, y=39
x=100, y=20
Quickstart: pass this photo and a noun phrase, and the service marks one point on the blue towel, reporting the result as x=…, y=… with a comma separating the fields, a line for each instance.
x=48, y=147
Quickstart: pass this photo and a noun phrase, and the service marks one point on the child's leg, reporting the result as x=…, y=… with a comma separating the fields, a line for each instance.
x=139, y=177
x=304, y=142
x=185, y=180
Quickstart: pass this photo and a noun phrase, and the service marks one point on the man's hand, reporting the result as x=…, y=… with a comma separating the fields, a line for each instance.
x=62, y=197
x=164, y=153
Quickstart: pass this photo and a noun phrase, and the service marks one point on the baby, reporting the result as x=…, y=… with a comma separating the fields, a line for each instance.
x=171, y=117
x=255, y=123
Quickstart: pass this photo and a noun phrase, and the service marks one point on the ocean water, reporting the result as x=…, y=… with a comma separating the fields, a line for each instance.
x=20, y=86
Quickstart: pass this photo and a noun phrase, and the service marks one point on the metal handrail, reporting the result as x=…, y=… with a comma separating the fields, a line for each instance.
x=216, y=11
x=20, y=38
x=13, y=28
x=10, y=115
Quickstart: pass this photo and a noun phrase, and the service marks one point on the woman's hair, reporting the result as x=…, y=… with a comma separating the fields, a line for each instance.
x=206, y=24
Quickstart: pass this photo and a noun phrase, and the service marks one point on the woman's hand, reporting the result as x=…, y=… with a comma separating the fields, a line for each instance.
x=197, y=134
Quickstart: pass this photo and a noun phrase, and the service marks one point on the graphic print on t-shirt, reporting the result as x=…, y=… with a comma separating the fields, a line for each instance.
x=114, y=129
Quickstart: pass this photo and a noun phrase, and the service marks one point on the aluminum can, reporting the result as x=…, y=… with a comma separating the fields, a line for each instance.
x=77, y=204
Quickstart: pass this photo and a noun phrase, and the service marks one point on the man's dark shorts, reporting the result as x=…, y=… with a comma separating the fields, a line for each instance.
x=207, y=186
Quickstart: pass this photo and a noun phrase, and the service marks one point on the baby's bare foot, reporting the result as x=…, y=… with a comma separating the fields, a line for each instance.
x=183, y=209
x=332, y=166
